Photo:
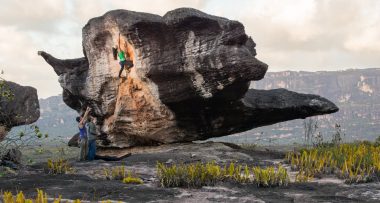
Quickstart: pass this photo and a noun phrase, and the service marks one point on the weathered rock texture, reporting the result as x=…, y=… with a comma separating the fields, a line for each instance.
x=22, y=109
x=189, y=81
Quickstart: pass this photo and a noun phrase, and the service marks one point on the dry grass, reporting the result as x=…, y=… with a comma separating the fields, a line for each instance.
x=202, y=174
x=41, y=197
x=59, y=166
x=357, y=162
x=120, y=173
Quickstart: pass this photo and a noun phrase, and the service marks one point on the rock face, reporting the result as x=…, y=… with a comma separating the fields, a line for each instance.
x=189, y=81
x=22, y=109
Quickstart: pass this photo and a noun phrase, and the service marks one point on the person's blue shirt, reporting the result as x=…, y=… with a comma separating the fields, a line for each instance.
x=82, y=132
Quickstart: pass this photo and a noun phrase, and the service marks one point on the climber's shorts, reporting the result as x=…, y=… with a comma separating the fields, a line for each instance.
x=122, y=64
x=126, y=63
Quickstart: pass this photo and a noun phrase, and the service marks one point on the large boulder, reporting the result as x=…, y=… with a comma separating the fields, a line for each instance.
x=23, y=108
x=189, y=82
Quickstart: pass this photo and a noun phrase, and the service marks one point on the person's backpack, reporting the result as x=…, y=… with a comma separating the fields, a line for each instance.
x=114, y=52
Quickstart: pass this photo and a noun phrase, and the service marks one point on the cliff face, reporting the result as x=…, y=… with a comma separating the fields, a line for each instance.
x=353, y=86
x=22, y=109
x=356, y=93
x=189, y=81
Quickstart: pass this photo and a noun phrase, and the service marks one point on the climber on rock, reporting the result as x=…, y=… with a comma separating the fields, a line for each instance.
x=123, y=60
x=83, y=138
x=123, y=57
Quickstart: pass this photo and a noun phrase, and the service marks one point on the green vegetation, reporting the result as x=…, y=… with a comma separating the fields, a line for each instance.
x=115, y=173
x=355, y=162
x=202, y=174
x=132, y=180
x=5, y=91
x=59, y=166
x=377, y=141
x=269, y=177
x=20, y=198
x=29, y=137
x=120, y=173
x=41, y=197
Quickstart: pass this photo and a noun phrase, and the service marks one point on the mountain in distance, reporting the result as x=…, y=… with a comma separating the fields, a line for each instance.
x=355, y=91
x=56, y=119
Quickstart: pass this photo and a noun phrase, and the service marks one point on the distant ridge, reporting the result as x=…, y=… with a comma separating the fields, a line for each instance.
x=355, y=91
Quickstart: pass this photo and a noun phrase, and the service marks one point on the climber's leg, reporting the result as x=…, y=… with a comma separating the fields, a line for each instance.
x=122, y=64
x=129, y=65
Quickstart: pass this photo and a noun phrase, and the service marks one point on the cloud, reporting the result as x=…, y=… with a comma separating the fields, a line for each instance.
x=315, y=34
x=42, y=15
x=86, y=9
x=290, y=34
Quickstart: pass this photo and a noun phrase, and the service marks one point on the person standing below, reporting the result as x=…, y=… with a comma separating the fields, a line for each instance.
x=83, y=139
x=92, y=138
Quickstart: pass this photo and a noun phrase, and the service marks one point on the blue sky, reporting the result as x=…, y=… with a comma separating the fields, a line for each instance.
x=306, y=35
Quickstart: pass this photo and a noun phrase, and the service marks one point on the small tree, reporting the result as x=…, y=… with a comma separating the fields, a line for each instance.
x=318, y=140
x=310, y=126
x=337, y=136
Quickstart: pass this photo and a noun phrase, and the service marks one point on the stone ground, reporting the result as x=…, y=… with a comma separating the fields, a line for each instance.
x=87, y=181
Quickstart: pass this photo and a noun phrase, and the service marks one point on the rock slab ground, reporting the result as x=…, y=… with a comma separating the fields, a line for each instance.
x=89, y=183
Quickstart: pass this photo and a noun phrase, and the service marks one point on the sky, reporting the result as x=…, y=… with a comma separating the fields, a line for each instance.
x=309, y=35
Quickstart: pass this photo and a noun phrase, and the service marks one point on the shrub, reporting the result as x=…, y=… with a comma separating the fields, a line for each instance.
x=42, y=197
x=20, y=198
x=268, y=177
x=60, y=166
x=202, y=174
x=115, y=173
x=377, y=141
x=120, y=173
x=357, y=162
x=132, y=180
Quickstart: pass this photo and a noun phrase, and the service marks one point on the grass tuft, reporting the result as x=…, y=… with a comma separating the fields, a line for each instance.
x=354, y=162
x=202, y=174
x=59, y=166
x=120, y=173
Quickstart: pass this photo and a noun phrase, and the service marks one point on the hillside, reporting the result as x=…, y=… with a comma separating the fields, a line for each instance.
x=57, y=119
x=356, y=93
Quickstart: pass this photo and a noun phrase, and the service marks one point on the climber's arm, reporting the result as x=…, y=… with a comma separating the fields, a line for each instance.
x=81, y=123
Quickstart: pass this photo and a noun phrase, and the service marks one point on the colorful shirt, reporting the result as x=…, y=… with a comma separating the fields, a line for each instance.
x=121, y=55
x=82, y=133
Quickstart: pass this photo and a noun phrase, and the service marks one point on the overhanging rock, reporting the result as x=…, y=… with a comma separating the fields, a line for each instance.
x=189, y=81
